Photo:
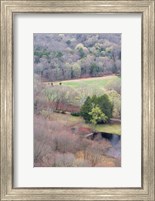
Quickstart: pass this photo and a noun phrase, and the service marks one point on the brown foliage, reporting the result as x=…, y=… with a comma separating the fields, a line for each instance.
x=106, y=161
x=56, y=146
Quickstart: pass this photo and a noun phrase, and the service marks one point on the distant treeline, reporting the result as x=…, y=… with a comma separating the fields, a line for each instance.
x=71, y=56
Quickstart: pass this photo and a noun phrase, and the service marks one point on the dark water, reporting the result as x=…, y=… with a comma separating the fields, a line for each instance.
x=115, y=140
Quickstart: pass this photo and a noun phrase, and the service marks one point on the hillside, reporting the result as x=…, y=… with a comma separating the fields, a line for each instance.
x=77, y=100
x=71, y=56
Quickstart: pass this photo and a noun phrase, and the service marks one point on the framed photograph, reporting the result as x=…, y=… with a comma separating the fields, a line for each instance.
x=77, y=100
x=77, y=95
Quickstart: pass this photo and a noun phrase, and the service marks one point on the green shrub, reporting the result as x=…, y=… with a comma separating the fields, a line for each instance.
x=103, y=102
x=86, y=108
x=76, y=114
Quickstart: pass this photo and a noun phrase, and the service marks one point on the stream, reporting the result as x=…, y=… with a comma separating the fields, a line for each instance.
x=114, y=139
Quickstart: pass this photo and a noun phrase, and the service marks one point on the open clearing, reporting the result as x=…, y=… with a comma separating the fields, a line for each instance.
x=95, y=82
x=109, y=128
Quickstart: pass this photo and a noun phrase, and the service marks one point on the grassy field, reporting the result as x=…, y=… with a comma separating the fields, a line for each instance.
x=96, y=82
x=109, y=128
x=73, y=121
x=114, y=128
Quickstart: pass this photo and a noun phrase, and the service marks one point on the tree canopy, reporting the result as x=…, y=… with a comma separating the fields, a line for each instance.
x=97, y=104
x=71, y=56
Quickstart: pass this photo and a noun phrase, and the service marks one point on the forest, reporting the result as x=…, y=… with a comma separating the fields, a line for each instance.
x=72, y=56
x=77, y=100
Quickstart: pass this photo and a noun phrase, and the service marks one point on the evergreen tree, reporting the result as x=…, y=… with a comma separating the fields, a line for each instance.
x=97, y=116
x=105, y=105
x=102, y=102
x=86, y=108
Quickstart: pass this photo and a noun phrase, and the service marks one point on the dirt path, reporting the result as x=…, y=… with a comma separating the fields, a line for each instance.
x=89, y=78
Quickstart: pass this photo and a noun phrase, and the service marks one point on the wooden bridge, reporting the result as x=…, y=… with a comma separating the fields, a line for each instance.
x=88, y=135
